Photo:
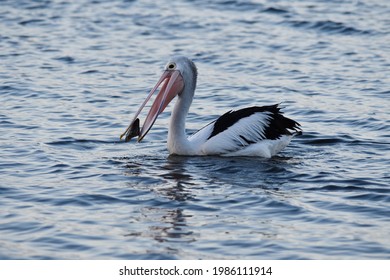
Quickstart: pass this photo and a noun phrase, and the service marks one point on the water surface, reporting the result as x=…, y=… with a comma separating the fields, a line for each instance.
x=73, y=73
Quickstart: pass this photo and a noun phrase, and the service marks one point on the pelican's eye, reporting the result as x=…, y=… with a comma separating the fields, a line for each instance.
x=171, y=66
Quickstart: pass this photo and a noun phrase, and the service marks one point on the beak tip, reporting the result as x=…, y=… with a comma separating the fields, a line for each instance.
x=140, y=137
x=132, y=131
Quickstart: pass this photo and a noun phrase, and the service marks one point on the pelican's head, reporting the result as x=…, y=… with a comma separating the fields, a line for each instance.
x=186, y=68
x=179, y=73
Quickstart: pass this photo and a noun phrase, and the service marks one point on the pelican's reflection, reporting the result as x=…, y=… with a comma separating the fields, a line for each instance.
x=167, y=217
x=169, y=203
x=179, y=181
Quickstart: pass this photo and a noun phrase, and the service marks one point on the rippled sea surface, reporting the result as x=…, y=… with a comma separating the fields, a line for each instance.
x=73, y=73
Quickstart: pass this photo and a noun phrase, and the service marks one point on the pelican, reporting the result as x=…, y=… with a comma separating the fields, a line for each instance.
x=253, y=131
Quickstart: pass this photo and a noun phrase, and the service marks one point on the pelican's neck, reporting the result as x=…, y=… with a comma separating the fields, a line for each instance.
x=177, y=138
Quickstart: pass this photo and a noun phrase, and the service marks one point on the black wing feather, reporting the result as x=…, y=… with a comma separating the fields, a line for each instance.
x=278, y=124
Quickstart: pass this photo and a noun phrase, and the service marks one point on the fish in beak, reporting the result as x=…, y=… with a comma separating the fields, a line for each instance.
x=172, y=85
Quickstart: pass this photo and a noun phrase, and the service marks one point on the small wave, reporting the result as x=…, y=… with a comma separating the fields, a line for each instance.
x=371, y=197
x=58, y=168
x=66, y=59
x=327, y=26
x=356, y=185
x=90, y=72
x=31, y=21
x=98, y=198
x=68, y=140
x=7, y=89
x=78, y=144
x=6, y=190
x=274, y=10
x=237, y=5
x=312, y=138
x=323, y=141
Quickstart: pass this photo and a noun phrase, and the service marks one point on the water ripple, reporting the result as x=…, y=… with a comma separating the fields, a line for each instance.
x=327, y=26
x=73, y=72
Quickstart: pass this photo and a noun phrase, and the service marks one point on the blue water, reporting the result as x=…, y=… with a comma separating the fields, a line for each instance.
x=72, y=74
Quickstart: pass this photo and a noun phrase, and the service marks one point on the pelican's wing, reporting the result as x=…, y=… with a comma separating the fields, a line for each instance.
x=237, y=130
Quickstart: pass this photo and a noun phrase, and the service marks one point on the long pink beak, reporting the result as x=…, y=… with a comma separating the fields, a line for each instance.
x=173, y=84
